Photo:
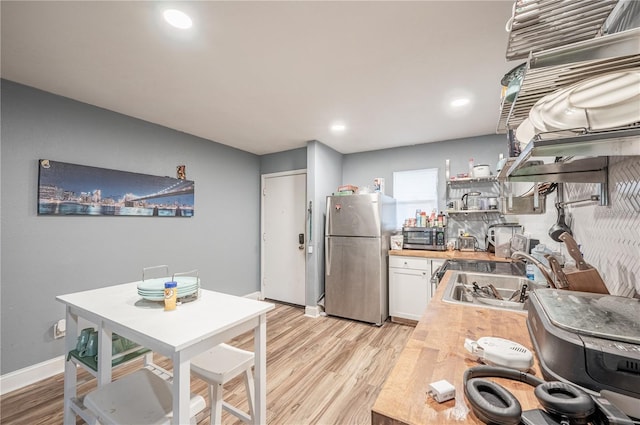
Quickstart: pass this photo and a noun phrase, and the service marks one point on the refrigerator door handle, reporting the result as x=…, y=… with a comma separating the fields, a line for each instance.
x=327, y=257
x=327, y=252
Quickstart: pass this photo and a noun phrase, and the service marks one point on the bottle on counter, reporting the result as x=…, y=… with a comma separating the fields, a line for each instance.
x=471, y=165
x=433, y=220
x=170, y=295
x=440, y=219
x=530, y=271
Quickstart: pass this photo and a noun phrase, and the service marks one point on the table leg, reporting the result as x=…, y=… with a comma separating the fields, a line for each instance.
x=70, y=372
x=104, y=355
x=181, y=388
x=260, y=379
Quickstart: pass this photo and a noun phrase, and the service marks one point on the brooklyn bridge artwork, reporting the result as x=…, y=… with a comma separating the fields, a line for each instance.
x=71, y=189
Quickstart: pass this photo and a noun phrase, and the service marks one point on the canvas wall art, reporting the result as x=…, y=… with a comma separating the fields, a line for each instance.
x=71, y=189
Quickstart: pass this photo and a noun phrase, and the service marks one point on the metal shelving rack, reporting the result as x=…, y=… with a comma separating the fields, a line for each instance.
x=557, y=60
x=545, y=24
x=561, y=67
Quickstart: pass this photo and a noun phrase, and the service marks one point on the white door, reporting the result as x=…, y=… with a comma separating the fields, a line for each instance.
x=284, y=237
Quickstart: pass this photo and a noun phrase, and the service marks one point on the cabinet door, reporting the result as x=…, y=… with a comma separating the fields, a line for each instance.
x=409, y=292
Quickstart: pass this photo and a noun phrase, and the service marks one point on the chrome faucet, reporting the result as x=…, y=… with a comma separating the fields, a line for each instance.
x=546, y=272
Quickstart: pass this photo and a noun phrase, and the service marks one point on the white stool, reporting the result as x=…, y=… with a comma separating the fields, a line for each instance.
x=141, y=397
x=217, y=367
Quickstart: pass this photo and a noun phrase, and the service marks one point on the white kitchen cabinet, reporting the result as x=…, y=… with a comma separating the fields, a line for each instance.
x=410, y=286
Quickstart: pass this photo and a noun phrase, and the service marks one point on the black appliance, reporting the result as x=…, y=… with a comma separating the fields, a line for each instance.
x=428, y=238
x=591, y=340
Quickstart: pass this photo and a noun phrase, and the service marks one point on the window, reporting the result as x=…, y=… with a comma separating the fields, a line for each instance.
x=415, y=190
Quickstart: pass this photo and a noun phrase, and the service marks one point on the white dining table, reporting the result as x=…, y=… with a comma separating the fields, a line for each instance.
x=192, y=328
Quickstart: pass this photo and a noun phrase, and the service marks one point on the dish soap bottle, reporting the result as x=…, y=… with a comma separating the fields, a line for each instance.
x=530, y=271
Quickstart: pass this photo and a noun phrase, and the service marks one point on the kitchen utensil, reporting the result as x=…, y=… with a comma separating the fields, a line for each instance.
x=509, y=229
x=493, y=202
x=467, y=243
x=494, y=291
x=561, y=281
x=587, y=281
x=574, y=251
x=471, y=200
x=523, y=293
x=560, y=227
x=481, y=171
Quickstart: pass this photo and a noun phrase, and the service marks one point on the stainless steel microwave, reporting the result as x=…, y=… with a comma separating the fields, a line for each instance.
x=427, y=238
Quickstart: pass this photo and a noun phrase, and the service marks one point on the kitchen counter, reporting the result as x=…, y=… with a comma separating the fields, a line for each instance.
x=448, y=255
x=435, y=351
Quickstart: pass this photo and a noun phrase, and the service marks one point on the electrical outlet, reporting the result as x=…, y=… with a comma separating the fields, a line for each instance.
x=460, y=232
x=59, y=329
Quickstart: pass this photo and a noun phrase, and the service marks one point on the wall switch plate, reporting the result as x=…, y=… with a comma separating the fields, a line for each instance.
x=59, y=329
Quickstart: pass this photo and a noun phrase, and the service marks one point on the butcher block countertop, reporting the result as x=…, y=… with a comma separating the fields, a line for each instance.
x=436, y=351
x=448, y=255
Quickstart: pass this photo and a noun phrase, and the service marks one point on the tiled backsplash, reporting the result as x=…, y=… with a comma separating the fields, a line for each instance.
x=610, y=236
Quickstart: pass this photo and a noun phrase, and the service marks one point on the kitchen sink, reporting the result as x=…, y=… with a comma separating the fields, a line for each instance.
x=486, y=289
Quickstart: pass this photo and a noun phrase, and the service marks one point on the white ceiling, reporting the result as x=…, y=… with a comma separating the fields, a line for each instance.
x=269, y=76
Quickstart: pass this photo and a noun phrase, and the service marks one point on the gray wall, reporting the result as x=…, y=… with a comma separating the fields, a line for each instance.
x=361, y=168
x=325, y=175
x=46, y=256
x=295, y=159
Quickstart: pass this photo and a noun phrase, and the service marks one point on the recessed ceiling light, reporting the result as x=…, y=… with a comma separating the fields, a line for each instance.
x=338, y=127
x=461, y=101
x=177, y=19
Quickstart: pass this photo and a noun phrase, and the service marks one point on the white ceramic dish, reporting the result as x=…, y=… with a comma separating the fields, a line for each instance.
x=606, y=90
x=525, y=132
x=160, y=297
x=157, y=284
x=188, y=290
x=617, y=115
x=535, y=118
x=558, y=114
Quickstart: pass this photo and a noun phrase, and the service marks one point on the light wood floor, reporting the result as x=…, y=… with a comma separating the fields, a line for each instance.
x=319, y=371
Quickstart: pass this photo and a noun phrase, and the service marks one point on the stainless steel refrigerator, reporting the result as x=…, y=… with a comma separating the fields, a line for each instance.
x=356, y=255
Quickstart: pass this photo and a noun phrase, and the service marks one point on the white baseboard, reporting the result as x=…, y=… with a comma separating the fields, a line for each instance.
x=312, y=311
x=31, y=374
x=255, y=296
x=21, y=378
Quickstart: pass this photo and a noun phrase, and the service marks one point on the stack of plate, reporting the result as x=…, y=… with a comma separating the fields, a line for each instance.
x=153, y=289
x=600, y=103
